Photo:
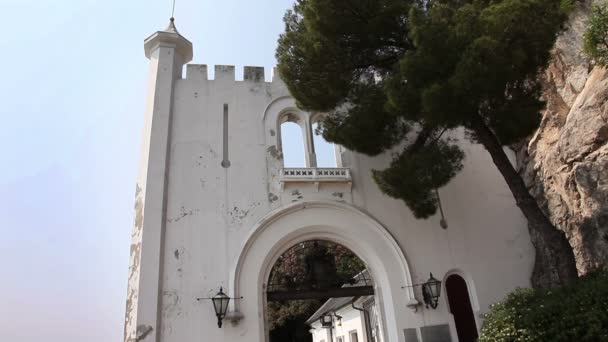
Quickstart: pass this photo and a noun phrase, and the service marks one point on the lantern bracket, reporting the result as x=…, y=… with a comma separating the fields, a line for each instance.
x=430, y=297
x=220, y=306
x=211, y=298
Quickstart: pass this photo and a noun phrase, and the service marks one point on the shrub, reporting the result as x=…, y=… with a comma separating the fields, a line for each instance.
x=575, y=313
x=596, y=36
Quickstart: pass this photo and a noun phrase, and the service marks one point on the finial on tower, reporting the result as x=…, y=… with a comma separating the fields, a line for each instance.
x=171, y=28
x=170, y=35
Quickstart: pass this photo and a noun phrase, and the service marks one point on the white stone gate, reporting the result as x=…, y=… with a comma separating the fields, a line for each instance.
x=215, y=206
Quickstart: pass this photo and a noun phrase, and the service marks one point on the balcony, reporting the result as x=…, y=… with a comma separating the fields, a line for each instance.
x=315, y=175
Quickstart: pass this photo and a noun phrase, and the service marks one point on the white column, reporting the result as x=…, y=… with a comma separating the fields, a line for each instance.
x=168, y=51
x=309, y=143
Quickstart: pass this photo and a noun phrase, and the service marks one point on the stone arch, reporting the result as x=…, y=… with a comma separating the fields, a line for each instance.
x=277, y=105
x=333, y=221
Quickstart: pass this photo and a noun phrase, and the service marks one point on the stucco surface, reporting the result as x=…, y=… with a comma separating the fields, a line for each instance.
x=222, y=226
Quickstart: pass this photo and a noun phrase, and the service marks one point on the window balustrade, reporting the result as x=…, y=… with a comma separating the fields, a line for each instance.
x=315, y=175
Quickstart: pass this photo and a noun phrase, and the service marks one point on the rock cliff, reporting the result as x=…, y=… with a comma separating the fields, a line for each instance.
x=565, y=164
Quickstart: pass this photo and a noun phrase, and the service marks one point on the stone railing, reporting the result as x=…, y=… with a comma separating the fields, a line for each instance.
x=316, y=175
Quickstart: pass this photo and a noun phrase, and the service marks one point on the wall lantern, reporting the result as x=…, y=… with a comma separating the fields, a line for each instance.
x=339, y=319
x=326, y=321
x=220, y=305
x=431, y=291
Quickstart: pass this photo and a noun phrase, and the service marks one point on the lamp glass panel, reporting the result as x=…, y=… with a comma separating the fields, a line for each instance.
x=437, y=289
x=217, y=305
x=220, y=303
x=433, y=286
x=225, y=301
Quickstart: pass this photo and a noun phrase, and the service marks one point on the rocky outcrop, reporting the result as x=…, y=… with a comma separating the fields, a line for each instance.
x=565, y=163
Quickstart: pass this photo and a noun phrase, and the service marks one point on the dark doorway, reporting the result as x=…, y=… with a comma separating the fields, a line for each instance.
x=461, y=308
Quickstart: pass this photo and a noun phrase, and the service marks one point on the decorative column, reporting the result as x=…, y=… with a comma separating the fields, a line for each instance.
x=168, y=51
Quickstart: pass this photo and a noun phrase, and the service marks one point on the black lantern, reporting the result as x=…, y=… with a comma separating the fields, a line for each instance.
x=326, y=321
x=339, y=319
x=220, y=305
x=431, y=291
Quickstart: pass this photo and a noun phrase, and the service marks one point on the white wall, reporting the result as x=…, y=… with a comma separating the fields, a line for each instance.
x=352, y=321
x=212, y=212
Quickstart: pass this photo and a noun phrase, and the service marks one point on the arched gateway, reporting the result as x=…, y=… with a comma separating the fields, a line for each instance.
x=332, y=221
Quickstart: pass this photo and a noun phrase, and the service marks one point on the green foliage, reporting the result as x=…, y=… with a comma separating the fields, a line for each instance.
x=280, y=313
x=578, y=312
x=388, y=68
x=329, y=44
x=596, y=36
x=293, y=271
x=363, y=124
x=412, y=175
x=314, y=264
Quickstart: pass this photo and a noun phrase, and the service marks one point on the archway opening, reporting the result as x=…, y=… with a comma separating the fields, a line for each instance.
x=292, y=145
x=321, y=291
x=324, y=150
x=461, y=308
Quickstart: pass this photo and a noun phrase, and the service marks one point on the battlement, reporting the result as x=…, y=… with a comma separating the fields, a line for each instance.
x=199, y=72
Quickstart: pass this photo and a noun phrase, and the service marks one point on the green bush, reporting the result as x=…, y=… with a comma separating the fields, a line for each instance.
x=575, y=313
x=596, y=36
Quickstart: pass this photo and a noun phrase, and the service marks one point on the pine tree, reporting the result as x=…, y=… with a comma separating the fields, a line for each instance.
x=406, y=72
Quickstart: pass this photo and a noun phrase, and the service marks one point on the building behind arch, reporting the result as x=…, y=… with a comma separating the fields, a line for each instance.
x=215, y=204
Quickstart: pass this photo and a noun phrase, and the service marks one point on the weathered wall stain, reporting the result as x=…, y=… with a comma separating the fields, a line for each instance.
x=171, y=302
x=139, y=209
x=272, y=197
x=142, y=332
x=134, y=262
x=291, y=117
x=171, y=311
x=256, y=88
x=297, y=194
x=238, y=215
x=183, y=212
x=275, y=153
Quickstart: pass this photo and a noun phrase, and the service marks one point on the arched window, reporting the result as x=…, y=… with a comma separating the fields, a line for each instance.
x=292, y=145
x=301, y=141
x=325, y=151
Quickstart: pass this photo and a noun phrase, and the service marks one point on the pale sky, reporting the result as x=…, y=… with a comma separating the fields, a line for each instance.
x=73, y=75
